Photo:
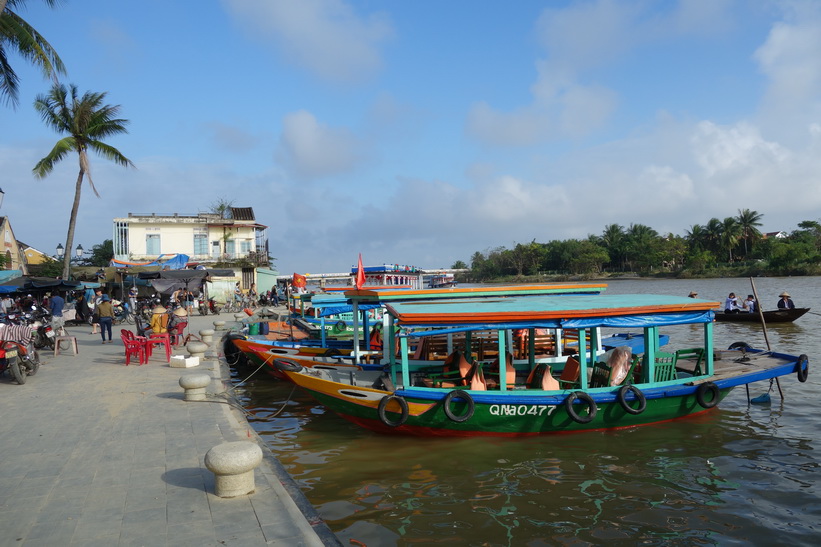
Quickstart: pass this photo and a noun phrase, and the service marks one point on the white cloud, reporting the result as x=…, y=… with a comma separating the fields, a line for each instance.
x=577, y=39
x=721, y=150
x=326, y=37
x=311, y=150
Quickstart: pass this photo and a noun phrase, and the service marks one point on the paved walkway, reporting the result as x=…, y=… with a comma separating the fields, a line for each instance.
x=96, y=453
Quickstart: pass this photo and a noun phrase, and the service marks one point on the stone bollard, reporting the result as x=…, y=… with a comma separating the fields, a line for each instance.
x=240, y=316
x=219, y=325
x=207, y=336
x=197, y=349
x=233, y=465
x=194, y=386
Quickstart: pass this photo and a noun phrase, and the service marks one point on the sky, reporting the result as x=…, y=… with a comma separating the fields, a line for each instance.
x=422, y=132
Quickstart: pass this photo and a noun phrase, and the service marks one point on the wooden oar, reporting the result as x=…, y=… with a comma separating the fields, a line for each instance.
x=766, y=337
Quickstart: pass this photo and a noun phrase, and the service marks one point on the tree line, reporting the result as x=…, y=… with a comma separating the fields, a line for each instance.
x=733, y=246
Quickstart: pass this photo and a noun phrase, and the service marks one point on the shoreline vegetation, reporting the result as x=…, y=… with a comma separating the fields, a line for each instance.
x=733, y=247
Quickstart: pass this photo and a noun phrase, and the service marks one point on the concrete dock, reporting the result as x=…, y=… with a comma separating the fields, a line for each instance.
x=93, y=452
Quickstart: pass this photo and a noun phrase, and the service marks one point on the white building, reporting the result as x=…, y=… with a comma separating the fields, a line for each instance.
x=234, y=240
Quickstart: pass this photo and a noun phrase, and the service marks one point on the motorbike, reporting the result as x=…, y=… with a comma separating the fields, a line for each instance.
x=20, y=360
x=42, y=332
x=209, y=306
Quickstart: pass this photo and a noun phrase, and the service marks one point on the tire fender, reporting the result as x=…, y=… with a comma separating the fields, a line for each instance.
x=622, y=398
x=287, y=365
x=382, y=409
x=587, y=400
x=740, y=345
x=702, y=390
x=803, y=370
x=465, y=396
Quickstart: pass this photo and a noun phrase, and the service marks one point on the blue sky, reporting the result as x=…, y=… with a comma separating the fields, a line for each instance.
x=421, y=132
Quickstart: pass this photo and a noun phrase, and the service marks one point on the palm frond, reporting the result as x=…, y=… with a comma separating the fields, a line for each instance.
x=46, y=165
x=110, y=153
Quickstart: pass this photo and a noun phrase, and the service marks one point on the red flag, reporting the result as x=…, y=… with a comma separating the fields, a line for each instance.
x=360, y=274
x=299, y=280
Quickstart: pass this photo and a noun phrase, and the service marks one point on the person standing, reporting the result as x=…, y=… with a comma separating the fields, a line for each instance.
x=786, y=302
x=105, y=312
x=252, y=295
x=93, y=304
x=132, y=298
x=56, y=308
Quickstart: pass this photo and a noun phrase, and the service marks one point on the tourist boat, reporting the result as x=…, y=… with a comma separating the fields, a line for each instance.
x=770, y=316
x=440, y=281
x=540, y=393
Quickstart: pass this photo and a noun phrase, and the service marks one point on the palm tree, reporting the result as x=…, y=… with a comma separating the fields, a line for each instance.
x=19, y=36
x=749, y=222
x=85, y=120
x=613, y=239
x=730, y=234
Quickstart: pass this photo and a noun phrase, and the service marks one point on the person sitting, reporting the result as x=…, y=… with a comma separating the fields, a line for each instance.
x=786, y=302
x=731, y=304
x=159, y=321
x=619, y=363
x=750, y=304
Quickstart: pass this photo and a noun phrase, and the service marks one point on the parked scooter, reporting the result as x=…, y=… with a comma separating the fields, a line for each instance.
x=20, y=359
x=42, y=334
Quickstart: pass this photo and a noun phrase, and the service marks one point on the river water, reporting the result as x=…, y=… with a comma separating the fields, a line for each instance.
x=743, y=474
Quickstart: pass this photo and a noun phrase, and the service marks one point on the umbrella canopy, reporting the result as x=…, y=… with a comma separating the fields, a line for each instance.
x=28, y=283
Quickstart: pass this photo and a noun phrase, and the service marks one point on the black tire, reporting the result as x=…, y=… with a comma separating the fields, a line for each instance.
x=38, y=339
x=287, y=365
x=461, y=394
x=341, y=326
x=803, y=365
x=592, y=409
x=332, y=352
x=129, y=318
x=702, y=390
x=33, y=363
x=18, y=371
x=50, y=342
x=740, y=345
x=64, y=344
x=403, y=405
x=622, y=398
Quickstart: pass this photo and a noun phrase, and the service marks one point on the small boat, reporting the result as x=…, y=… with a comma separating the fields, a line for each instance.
x=440, y=281
x=540, y=392
x=770, y=316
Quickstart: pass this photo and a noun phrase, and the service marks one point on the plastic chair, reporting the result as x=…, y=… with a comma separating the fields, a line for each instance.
x=134, y=347
x=159, y=339
x=569, y=377
x=665, y=367
x=458, y=376
x=177, y=333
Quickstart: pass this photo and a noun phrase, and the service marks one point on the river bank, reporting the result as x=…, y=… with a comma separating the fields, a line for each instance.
x=97, y=453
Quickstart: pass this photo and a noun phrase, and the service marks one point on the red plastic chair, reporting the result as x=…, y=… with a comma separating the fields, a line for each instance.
x=159, y=339
x=178, y=333
x=134, y=347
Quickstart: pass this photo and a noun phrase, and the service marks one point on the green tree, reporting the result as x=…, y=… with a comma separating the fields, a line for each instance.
x=730, y=234
x=459, y=265
x=86, y=121
x=614, y=240
x=18, y=36
x=526, y=258
x=749, y=221
x=640, y=241
x=102, y=254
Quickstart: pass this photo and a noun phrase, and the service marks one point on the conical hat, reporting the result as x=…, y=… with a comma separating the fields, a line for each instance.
x=159, y=309
x=180, y=312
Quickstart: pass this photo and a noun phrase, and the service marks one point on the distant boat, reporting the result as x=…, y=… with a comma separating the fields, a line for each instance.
x=770, y=316
x=441, y=281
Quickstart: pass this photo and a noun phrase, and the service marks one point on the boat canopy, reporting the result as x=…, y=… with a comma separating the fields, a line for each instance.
x=565, y=312
x=449, y=293
x=327, y=304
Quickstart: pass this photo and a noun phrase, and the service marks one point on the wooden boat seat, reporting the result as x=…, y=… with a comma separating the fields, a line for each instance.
x=665, y=367
x=601, y=375
x=692, y=353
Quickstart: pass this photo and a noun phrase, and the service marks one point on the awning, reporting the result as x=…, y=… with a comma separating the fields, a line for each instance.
x=29, y=283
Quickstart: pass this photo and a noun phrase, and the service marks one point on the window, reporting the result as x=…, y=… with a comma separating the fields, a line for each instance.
x=152, y=244
x=245, y=247
x=215, y=249
x=230, y=249
x=200, y=244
